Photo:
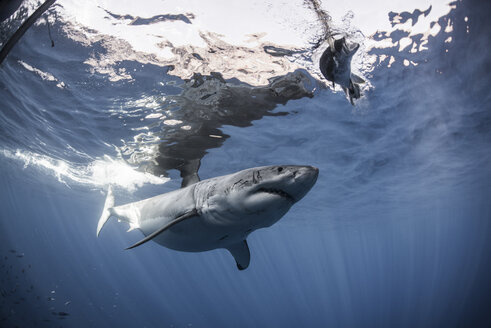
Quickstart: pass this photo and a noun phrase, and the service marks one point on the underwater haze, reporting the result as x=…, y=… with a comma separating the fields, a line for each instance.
x=395, y=233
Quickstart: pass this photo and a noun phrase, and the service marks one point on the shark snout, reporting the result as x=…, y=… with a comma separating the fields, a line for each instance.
x=304, y=178
x=307, y=175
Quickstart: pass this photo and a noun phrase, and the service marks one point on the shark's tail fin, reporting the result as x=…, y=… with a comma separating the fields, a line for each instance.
x=353, y=92
x=106, y=212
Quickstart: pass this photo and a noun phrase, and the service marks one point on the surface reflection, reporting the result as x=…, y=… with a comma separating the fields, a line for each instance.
x=209, y=102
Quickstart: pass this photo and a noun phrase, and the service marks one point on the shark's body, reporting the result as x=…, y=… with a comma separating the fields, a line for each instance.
x=216, y=213
x=335, y=65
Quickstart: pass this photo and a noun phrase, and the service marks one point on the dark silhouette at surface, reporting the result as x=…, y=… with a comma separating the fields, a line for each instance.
x=136, y=20
x=335, y=65
x=208, y=103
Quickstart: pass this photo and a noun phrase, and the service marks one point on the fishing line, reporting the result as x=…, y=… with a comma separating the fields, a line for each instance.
x=49, y=31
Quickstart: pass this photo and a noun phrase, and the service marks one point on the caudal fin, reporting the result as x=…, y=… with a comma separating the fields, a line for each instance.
x=106, y=212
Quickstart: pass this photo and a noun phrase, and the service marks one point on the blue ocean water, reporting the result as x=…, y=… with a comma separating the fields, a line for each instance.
x=395, y=233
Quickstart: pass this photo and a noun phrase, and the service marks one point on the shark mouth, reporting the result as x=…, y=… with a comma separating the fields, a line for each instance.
x=278, y=192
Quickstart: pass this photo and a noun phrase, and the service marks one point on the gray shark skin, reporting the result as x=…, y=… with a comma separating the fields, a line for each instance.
x=335, y=65
x=218, y=212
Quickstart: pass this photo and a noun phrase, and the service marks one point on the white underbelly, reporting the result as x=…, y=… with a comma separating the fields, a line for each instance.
x=192, y=235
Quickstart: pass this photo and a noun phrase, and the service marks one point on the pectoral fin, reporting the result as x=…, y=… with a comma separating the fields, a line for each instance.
x=241, y=254
x=353, y=48
x=165, y=227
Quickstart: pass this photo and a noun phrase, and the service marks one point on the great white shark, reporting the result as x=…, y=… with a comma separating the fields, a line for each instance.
x=216, y=213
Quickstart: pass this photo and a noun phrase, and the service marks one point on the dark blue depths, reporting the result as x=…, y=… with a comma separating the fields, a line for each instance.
x=394, y=234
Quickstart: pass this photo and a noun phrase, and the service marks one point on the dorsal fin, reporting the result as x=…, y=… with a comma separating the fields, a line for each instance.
x=189, y=173
x=190, y=179
x=241, y=254
x=180, y=218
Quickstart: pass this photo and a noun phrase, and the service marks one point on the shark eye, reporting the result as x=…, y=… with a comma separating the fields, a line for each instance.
x=280, y=169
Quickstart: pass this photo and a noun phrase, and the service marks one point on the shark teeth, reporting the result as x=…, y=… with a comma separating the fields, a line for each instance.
x=278, y=192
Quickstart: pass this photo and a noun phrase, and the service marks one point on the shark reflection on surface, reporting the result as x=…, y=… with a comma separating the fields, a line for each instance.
x=209, y=102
